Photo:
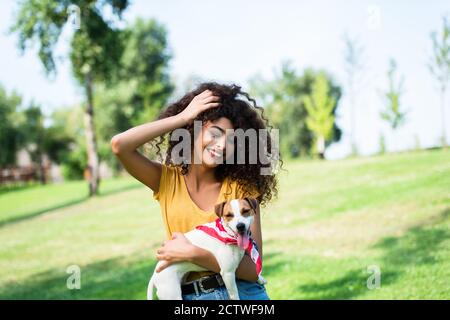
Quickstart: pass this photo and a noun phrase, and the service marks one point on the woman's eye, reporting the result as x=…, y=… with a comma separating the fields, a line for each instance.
x=215, y=133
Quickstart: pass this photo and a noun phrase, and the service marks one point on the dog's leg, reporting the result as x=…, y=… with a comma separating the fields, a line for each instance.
x=229, y=279
x=150, y=287
x=228, y=261
x=168, y=281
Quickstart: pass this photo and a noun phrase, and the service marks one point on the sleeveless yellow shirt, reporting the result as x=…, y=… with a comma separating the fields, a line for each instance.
x=179, y=212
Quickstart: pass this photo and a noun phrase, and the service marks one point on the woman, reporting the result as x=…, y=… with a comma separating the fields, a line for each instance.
x=188, y=191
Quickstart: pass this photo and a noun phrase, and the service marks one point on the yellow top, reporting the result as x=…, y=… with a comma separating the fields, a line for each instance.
x=179, y=212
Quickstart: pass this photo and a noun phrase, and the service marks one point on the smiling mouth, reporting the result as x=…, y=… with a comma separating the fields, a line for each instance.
x=213, y=153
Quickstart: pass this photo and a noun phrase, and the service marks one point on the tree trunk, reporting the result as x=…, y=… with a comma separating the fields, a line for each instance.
x=42, y=177
x=444, y=138
x=321, y=147
x=352, y=120
x=91, y=143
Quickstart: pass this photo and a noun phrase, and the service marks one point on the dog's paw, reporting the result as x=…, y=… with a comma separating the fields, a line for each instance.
x=234, y=297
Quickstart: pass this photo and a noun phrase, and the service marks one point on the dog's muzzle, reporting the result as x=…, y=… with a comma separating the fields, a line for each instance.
x=240, y=228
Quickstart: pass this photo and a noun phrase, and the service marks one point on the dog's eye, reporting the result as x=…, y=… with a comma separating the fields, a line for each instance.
x=229, y=215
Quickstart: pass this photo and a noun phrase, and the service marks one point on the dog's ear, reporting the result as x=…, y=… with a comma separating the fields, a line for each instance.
x=219, y=209
x=253, y=203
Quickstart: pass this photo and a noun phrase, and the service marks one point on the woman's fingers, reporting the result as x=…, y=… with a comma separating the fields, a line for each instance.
x=208, y=96
x=204, y=94
x=211, y=98
x=161, y=255
x=211, y=105
x=201, y=102
x=211, y=102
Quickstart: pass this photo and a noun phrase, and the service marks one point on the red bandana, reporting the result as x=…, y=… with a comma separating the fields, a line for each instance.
x=216, y=230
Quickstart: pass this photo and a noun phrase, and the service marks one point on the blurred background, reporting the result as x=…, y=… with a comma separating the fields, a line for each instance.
x=358, y=90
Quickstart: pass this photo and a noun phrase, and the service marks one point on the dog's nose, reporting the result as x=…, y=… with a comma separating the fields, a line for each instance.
x=240, y=227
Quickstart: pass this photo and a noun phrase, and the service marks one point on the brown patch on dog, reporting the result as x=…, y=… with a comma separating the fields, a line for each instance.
x=228, y=213
x=253, y=203
x=219, y=209
x=247, y=207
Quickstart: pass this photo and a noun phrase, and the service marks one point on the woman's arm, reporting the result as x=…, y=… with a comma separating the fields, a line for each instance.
x=245, y=271
x=124, y=145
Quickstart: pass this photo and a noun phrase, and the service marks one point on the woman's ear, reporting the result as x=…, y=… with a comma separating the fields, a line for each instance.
x=219, y=209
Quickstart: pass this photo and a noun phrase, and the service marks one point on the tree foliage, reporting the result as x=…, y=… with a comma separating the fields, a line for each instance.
x=283, y=101
x=440, y=66
x=39, y=139
x=354, y=66
x=95, y=52
x=319, y=105
x=10, y=134
x=41, y=22
x=393, y=114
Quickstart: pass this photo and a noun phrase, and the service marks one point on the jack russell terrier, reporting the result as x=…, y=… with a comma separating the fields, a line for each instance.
x=227, y=239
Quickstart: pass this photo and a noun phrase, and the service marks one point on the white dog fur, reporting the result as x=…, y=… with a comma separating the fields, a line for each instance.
x=168, y=281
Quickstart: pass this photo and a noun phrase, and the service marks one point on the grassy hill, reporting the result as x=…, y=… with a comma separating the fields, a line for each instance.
x=332, y=221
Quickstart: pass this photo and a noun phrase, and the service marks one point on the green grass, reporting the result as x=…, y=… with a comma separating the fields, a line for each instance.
x=332, y=221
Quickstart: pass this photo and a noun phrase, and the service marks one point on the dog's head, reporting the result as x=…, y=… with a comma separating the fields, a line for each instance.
x=238, y=215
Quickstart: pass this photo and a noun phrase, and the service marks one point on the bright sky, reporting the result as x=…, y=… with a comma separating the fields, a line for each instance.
x=232, y=41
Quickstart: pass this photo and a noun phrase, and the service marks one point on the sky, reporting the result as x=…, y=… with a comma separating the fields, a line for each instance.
x=233, y=41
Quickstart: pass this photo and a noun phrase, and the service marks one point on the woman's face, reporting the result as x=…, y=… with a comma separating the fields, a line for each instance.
x=212, y=144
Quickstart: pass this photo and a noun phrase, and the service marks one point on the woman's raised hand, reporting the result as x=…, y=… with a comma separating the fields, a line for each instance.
x=125, y=144
x=200, y=103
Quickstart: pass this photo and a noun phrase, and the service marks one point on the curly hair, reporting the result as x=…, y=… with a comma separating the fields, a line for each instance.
x=242, y=115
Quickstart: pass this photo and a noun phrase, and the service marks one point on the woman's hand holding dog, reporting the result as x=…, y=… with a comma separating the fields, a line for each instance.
x=176, y=250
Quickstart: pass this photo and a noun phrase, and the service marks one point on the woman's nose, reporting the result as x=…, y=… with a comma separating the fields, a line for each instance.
x=220, y=144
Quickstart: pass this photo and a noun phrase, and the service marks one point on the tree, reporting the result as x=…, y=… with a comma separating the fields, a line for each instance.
x=34, y=131
x=96, y=49
x=440, y=66
x=282, y=99
x=353, y=62
x=69, y=120
x=146, y=69
x=319, y=105
x=40, y=140
x=10, y=139
x=142, y=89
x=392, y=113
